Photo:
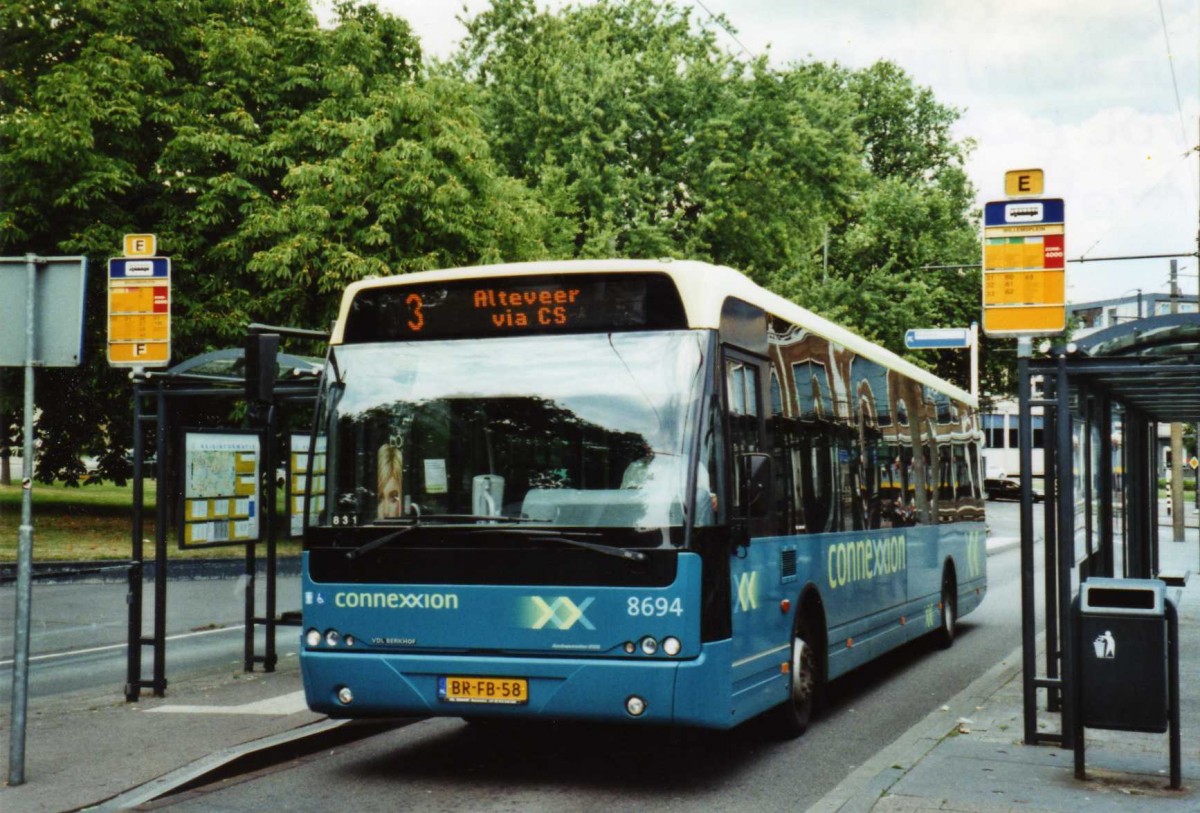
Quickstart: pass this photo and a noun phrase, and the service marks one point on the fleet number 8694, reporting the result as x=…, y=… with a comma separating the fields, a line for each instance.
x=654, y=607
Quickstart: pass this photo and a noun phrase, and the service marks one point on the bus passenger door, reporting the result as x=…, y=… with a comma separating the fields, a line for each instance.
x=760, y=643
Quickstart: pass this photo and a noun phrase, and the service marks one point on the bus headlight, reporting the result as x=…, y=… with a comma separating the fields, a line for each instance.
x=332, y=637
x=635, y=705
x=672, y=646
x=312, y=638
x=345, y=696
x=649, y=646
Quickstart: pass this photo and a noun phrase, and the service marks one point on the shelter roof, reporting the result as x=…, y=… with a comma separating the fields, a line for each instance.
x=229, y=366
x=1152, y=365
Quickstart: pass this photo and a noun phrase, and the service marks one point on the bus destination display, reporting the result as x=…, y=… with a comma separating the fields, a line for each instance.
x=515, y=306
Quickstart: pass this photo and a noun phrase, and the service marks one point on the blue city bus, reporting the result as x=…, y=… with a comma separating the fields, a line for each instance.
x=638, y=491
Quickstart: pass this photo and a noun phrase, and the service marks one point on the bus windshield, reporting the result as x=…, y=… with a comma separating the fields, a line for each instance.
x=572, y=431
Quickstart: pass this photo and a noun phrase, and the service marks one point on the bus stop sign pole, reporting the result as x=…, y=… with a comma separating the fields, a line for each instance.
x=63, y=281
x=20, y=683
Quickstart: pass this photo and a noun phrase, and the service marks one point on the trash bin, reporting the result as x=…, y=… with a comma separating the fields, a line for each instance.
x=1123, y=655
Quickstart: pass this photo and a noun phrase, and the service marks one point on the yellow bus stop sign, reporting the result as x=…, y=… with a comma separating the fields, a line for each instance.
x=140, y=245
x=1022, y=182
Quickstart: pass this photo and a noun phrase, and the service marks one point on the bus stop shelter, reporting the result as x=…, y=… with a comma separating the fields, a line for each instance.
x=1102, y=397
x=196, y=392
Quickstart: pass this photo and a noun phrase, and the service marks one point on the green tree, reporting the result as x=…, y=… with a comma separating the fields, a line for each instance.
x=638, y=128
x=630, y=119
x=915, y=211
x=275, y=160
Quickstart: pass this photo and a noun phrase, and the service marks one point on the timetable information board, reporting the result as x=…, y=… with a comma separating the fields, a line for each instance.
x=299, y=484
x=139, y=311
x=221, y=500
x=1024, y=268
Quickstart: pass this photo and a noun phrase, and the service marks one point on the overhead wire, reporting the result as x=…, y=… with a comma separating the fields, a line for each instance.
x=1183, y=131
x=723, y=23
x=1162, y=16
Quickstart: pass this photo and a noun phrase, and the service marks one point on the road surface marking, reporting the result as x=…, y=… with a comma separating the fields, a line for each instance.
x=282, y=705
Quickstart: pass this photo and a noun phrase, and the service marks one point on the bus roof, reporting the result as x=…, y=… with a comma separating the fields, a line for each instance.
x=703, y=288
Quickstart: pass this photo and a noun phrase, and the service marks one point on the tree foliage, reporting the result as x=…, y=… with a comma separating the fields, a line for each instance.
x=654, y=141
x=278, y=160
x=275, y=160
x=834, y=186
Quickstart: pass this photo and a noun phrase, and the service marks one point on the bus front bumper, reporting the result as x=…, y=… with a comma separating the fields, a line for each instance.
x=343, y=684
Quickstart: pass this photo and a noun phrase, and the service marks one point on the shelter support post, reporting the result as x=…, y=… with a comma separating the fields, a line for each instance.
x=137, y=565
x=1028, y=610
x=1105, y=479
x=163, y=494
x=1050, y=544
x=1065, y=508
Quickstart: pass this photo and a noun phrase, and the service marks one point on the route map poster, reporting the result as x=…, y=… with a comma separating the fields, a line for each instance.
x=221, y=499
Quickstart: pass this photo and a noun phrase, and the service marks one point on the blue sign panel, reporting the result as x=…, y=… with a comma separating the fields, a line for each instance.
x=58, y=297
x=139, y=268
x=937, y=338
x=1019, y=212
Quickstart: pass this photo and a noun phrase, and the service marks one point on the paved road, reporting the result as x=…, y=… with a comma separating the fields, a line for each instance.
x=445, y=764
x=79, y=632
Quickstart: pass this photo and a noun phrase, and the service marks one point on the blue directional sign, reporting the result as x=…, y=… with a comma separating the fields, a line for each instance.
x=937, y=338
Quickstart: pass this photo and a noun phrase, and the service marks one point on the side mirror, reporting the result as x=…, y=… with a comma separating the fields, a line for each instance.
x=754, y=483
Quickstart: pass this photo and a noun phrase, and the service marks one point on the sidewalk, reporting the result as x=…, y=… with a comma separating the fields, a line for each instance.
x=969, y=757
x=84, y=748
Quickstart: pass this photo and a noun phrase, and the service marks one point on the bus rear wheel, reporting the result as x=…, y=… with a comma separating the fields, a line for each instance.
x=792, y=717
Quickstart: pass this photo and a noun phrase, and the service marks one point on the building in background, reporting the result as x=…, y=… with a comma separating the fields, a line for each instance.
x=1105, y=313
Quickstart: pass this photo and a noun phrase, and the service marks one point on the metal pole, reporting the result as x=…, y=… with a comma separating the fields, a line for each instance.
x=1050, y=419
x=975, y=359
x=248, y=611
x=1174, y=744
x=20, y=682
x=272, y=518
x=137, y=565
x=1176, y=495
x=1028, y=609
x=1105, y=478
x=1066, y=546
x=164, y=491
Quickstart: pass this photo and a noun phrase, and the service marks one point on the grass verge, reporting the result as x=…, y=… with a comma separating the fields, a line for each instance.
x=93, y=522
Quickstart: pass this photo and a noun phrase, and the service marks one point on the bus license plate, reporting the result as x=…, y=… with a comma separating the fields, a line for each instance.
x=462, y=689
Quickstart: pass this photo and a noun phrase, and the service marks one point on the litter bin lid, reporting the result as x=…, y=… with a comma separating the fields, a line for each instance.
x=1144, y=597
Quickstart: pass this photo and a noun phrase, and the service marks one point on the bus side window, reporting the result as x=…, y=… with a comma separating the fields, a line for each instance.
x=742, y=396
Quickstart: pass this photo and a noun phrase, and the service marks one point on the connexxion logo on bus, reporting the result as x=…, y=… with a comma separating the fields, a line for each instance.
x=864, y=559
x=393, y=601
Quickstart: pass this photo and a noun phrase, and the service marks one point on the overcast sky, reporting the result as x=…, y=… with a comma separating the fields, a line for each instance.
x=1080, y=88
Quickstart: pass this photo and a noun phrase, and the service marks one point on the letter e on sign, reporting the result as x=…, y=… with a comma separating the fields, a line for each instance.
x=1021, y=182
x=140, y=245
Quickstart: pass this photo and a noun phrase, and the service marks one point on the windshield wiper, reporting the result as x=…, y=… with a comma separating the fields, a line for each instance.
x=547, y=536
x=418, y=520
x=382, y=540
x=561, y=537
